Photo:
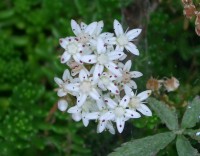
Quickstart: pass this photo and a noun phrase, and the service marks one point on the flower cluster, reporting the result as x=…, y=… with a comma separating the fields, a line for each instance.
x=101, y=86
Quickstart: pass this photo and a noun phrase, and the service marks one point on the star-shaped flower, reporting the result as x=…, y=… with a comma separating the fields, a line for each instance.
x=119, y=112
x=103, y=59
x=86, y=87
x=137, y=101
x=123, y=39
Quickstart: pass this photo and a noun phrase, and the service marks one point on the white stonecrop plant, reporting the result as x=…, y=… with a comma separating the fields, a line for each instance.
x=99, y=81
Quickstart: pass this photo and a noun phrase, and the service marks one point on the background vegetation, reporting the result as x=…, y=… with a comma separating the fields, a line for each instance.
x=30, y=123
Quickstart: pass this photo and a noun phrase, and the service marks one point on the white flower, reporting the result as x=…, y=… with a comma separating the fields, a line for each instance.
x=62, y=105
x=127, y=75
x=66, y=78
x=72, y=49
x=103, y=58
x=86, y=32
x=137, y=101
x=123, y=39
x=119, y=112
x=86, y=87
x=102, y=124
x=80, y=112
x=105, y=83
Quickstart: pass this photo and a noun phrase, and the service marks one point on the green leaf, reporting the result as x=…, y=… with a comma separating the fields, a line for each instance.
x=168, y=116
x=194, y=134
x=192, y=114
x=184, y=148
x=147, y=146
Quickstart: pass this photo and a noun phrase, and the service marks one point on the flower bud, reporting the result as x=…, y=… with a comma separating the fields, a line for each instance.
x=62, y=105
x=153, y=84
x=171, y=84
x=189, y=11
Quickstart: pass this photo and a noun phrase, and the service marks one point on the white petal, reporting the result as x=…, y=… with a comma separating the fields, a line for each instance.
x=66, y=75
x=125, y=100
x=83, y=26
x=123, y=57
x=101, y=126
x=101, y=85
x=132, y=48
x=133, y=33
x=120, y=124
x=128, y=91
x=133, y=84
x=127, y=66
x=110, y=127
x=113, y=68
x=98, y=69
x=107, y=116
x=144, y=110
x=91, y=59
x=61, y=92
x=110, y=102
x=58, y=81
x=100, y=46
x=92, y=116
x=77, y=58
x=91, y=28
x=114, y=89
x=94, y=94
x=118, y=28
x=81, y=99
x=83, y=75
x=144, y=95
x=74, y=87
x=132, y=114
x=62, y=105
x=65, y=57
x=119, y=48
x=85, y=122
x=115, y=55
x=77, y=117
x=75, y=28
x=74, y=110
x=110, y=41
x=63, y=42
x=106, y=35
x=135, y=74
x=99, y=28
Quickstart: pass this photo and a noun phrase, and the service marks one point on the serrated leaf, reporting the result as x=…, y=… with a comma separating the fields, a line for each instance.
x=184, y=148
x=168, y=116
x=147, y=146
x=194, y=134
x=192, y=114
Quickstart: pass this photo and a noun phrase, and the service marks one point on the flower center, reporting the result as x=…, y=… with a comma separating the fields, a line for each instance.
x=122, y=40
x=83, y=38
x=85, y=86
x=103, y=59
x=105, y=80
x=72, y=48
x=126, y=77
x=134, y=102
x=119, y=111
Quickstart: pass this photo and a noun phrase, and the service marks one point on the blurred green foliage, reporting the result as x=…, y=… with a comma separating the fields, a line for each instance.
x=29, y=49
